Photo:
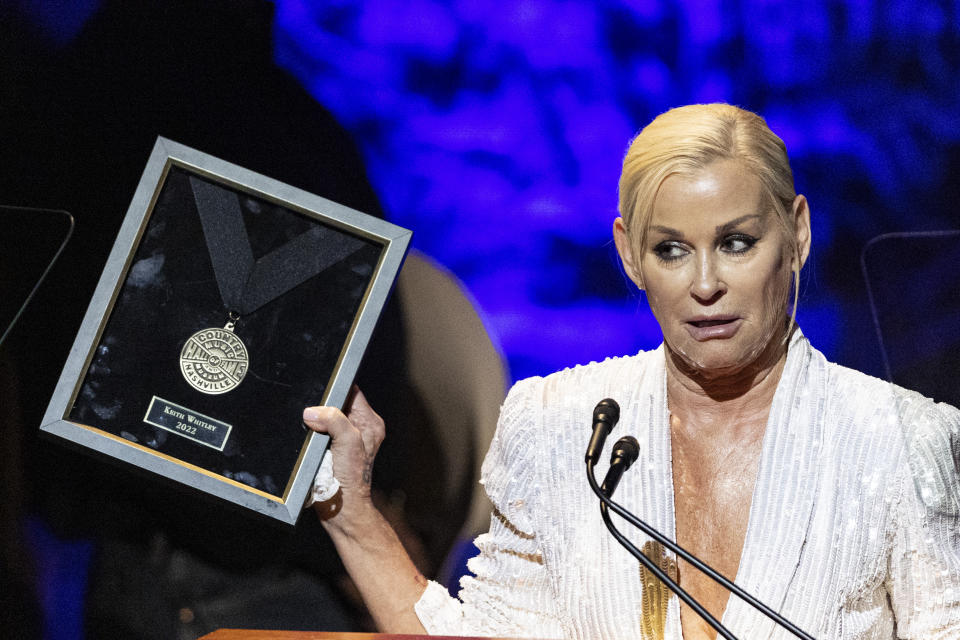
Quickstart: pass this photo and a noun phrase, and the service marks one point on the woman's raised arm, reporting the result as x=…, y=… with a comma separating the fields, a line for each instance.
x=369, y=548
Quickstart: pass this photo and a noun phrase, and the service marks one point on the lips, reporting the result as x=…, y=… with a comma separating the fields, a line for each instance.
x=711, y=323
x=704, y=328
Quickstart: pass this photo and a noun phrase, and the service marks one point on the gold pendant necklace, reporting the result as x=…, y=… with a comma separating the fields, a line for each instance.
x=656, y=595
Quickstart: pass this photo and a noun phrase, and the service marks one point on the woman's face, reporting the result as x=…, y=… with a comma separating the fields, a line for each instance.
x=716, y=266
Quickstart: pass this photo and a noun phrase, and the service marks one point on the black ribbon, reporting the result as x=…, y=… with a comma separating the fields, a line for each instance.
x=246, y=284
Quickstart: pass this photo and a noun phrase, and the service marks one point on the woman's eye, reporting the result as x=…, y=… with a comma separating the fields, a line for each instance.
x=669, y=251
x=738, y=243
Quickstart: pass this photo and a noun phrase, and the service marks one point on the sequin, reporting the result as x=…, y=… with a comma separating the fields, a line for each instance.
x=853, y=533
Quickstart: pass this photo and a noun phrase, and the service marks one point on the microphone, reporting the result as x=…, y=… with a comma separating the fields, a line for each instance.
x=605, y=417
x=625, y=453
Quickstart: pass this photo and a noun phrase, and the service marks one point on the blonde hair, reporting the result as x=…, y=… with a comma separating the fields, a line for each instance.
x=688, y=138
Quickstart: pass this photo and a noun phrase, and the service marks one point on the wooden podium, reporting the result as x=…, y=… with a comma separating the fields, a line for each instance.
x=255, y=634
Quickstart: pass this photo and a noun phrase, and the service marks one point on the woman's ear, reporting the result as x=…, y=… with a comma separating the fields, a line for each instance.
x=801, y=225
x=621, y=238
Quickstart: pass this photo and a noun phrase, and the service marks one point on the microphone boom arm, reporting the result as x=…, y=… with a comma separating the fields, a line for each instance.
x=689, y=557
x=650, y=564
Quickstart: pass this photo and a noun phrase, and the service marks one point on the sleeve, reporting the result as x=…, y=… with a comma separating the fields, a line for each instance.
x=924, y=577
x=510, y=594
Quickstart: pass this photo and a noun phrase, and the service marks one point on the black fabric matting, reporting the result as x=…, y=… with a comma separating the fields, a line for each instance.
x=170, y=292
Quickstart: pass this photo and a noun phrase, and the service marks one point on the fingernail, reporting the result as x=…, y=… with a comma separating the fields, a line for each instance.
x=311, y=414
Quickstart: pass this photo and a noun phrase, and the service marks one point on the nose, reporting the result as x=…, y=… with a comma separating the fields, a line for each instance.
x=707, y=286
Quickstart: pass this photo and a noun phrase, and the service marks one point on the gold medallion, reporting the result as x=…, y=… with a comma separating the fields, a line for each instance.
x=214, y=360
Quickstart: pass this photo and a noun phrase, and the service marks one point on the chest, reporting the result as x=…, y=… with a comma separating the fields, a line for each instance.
x=713, y=485
x=791, y=550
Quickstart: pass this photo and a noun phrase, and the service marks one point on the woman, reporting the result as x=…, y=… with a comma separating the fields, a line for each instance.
x=830, y=495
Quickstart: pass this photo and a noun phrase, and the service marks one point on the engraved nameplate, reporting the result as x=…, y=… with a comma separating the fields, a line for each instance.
x=187, y=423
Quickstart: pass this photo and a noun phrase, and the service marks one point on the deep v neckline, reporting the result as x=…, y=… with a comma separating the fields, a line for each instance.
x=781, y=501
x=755, y=465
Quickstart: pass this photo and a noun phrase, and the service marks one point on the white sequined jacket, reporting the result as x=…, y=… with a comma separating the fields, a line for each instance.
x=853, y=533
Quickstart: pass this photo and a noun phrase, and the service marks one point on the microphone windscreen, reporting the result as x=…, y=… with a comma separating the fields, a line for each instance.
x=628, y=449
x=607, y=411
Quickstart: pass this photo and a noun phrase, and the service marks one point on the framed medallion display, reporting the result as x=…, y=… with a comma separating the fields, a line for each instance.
x=230, y=302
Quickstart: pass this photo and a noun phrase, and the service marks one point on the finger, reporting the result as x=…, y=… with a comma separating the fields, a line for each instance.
x=351, y=462
x=331, y=421
x=366, y=420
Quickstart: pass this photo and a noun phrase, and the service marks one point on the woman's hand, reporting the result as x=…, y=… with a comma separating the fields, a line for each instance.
x=355, y=437
x=370, y=549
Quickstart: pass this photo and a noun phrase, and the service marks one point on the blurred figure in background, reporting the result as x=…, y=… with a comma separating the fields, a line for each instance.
x=79, y=119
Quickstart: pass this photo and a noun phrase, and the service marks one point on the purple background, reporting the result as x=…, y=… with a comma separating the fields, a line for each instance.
x=495, y=130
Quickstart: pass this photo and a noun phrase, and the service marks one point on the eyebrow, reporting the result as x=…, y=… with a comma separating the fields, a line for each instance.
x=729, y=225
x=670, y=231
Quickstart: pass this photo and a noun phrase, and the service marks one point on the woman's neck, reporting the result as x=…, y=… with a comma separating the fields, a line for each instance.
x=726, y=403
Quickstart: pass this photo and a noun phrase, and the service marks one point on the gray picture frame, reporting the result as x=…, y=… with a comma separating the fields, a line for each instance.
x=165, y=154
